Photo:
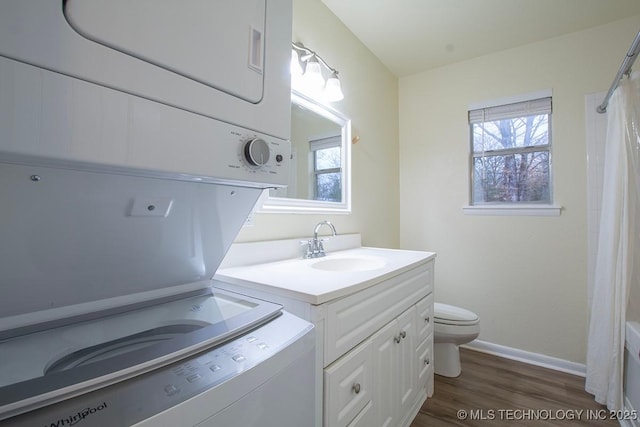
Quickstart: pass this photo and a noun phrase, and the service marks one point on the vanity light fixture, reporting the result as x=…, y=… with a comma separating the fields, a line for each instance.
x=311, y=81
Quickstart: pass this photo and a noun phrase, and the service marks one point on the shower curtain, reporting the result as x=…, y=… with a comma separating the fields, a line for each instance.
x=616, y=272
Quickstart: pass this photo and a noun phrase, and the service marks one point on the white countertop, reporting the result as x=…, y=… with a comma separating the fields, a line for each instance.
x=298, y=279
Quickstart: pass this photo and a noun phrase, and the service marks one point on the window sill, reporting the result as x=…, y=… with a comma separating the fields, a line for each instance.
x=513, y=210
x=301, y=206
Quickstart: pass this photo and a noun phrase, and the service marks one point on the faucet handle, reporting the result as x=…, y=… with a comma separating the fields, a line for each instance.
x=309, y=244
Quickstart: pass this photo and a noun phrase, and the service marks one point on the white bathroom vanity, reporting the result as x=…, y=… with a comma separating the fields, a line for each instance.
x=372, y=309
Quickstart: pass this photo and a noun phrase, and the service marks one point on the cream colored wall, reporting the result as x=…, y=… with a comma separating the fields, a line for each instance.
x=371, y=102
x=524, y=276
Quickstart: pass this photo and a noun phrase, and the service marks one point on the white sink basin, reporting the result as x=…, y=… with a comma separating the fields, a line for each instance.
x=349, y=264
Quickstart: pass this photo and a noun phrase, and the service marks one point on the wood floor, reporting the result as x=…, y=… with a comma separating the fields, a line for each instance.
x=493, y=391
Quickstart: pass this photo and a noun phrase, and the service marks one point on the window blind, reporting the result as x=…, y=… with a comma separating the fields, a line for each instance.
x=533, y=107
x=328, y=142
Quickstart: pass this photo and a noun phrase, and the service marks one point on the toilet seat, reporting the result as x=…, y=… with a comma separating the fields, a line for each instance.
x=450, y=315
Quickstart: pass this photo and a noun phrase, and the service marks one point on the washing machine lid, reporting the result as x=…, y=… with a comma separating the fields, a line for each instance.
x=74, y=241
x=55, y=360
x=450, y=314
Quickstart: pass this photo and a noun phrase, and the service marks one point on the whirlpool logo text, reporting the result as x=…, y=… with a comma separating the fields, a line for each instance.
x=76, y=418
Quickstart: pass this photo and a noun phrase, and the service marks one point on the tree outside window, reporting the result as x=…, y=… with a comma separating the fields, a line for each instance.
x=327, y=169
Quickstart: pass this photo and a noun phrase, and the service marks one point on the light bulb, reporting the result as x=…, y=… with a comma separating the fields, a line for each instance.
x=313, y=74
x=332, y=90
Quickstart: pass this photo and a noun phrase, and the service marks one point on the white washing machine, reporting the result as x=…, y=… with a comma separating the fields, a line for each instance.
x=205, y=358
x=135, y=138
x=110, y=316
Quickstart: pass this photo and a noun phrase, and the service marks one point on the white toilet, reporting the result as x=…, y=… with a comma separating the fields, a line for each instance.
x=453, y=326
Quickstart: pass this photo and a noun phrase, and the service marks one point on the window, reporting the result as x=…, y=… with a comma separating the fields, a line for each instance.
x=511, y=153
x=327, y=168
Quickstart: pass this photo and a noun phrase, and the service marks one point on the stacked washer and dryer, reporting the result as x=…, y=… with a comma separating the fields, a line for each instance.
x=135, y=139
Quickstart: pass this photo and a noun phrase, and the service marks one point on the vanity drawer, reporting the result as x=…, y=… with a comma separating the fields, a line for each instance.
x=424, y=359
x=425, y=317
x=352, y=319
x=348, y=387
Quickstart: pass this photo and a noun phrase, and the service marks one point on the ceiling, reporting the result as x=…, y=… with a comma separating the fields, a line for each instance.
x=410, y=36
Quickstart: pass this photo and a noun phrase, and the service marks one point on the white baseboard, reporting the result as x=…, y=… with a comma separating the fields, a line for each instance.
x=528, y=357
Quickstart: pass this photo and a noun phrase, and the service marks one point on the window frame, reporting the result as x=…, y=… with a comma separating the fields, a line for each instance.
x=502, y=108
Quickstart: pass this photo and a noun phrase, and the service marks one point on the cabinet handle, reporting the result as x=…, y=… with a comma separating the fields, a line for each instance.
x=427, y=319
x=400, y=336
x=426, y=361
x=356, y=388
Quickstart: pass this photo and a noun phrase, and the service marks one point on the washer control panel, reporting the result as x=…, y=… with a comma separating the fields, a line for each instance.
x=214, y=367
x=259, y=158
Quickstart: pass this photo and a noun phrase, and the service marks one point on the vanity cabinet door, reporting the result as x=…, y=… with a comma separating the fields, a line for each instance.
x=407, y=372
x=385, y=369
x=348, y=388
x=394, y=353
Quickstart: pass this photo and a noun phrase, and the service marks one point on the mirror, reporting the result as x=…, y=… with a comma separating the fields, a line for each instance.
x=320, y=160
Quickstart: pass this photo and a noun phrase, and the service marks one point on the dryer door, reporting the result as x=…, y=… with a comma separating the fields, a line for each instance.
x=219, y=43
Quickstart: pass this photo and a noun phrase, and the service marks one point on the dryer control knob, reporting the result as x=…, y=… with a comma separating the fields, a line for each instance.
x=256, y=152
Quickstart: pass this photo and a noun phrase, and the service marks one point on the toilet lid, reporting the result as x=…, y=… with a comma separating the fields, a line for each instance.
x=450, y=314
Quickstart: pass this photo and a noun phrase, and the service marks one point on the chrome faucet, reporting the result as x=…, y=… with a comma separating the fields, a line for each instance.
x=315, y=248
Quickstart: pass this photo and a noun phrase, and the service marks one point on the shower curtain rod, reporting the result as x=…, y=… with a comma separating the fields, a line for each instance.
x=625, y=68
